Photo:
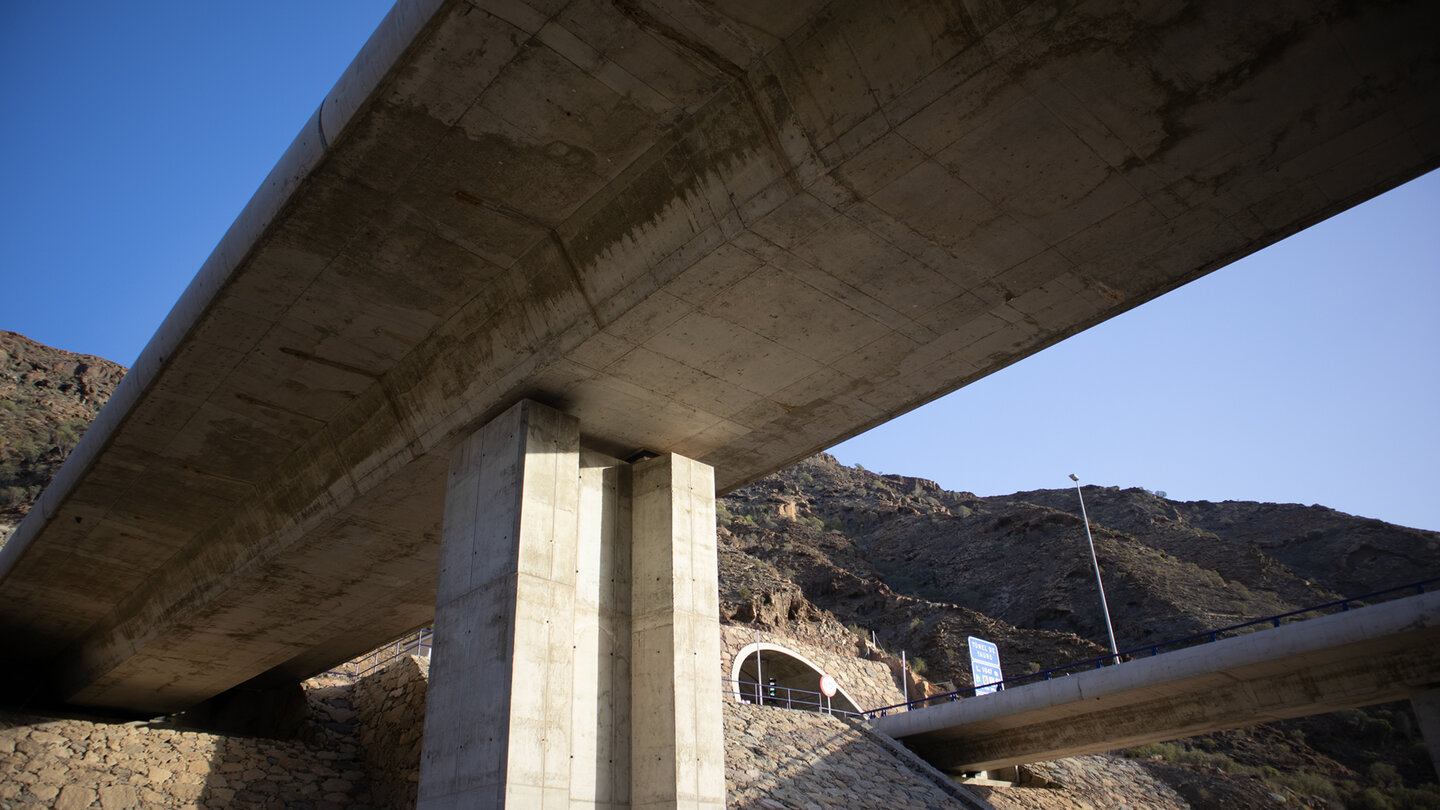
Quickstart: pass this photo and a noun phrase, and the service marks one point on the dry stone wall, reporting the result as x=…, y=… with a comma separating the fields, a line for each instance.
x=1095, y=782
x=390, y=721
x=870, y=683
x=78, y=764
x=777, y=759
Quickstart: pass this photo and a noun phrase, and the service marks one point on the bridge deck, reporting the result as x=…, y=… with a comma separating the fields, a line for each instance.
x=738, y=232
x=1365, y=656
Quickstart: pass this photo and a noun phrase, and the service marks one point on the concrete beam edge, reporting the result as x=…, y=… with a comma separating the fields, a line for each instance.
x=1355, y=626
x=367, y=73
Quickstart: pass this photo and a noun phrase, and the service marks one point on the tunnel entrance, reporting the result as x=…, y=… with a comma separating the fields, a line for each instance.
x=771, y=675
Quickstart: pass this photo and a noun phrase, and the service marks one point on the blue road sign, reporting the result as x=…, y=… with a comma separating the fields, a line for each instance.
x=985, y=665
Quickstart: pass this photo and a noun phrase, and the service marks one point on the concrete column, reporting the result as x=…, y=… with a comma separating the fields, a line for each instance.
x=576, y=628
x=498, y=719
x=600, y=771
x=1426, y=704
x=677, y=733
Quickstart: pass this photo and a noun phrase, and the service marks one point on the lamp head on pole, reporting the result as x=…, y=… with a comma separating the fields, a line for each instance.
x=1073, y=478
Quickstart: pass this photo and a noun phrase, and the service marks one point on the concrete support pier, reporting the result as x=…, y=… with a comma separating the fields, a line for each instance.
x=678, y=742
x=1426, y=703
x=560, y=679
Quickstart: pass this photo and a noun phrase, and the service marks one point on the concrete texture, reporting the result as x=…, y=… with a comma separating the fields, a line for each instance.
x=677, y=748
x=602, y=722
x=1426, y=703
x=577, y=627
x=498, y=713
x=736, y=232
x=1357, y=658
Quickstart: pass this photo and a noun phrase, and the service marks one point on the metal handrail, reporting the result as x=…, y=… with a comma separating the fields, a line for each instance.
x=786, y=697
x=421, y=642
x=1153, y=649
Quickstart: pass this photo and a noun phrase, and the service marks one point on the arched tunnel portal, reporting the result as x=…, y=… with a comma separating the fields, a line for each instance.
x=771, y=675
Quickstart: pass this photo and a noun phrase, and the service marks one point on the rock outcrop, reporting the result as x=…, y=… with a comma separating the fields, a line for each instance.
x=918, y=568
x=48, y=398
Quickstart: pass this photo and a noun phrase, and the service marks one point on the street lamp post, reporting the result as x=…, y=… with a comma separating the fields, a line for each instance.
x=1104, y=606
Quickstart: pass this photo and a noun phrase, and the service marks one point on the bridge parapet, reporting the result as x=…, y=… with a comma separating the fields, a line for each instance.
x=1357, y=658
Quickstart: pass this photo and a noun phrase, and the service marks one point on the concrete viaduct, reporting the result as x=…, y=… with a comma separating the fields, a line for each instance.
x=1362, y=657
x=524, y=243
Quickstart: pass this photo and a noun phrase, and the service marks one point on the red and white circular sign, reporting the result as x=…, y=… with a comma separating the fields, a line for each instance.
x=827, y=685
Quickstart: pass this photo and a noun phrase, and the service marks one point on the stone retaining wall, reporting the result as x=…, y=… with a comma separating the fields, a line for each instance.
x=1095, y=782
x=777, y=759
x=76, y=764
x=390, y=722
x=870, y=683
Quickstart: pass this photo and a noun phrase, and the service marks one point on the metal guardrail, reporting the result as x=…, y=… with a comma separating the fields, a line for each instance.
x=1150, y=650
x=421, y=642
x=784, y=697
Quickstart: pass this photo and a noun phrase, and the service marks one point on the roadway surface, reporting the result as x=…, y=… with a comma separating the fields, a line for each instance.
x=739, y=232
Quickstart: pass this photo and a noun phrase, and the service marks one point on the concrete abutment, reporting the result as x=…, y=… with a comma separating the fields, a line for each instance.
x=576, y=625
x=1426, y=703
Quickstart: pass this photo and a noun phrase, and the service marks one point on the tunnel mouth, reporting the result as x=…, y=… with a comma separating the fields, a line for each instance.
x=770, y=675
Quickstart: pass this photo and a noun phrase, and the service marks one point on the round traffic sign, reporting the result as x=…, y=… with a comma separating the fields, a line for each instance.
x=828, y=685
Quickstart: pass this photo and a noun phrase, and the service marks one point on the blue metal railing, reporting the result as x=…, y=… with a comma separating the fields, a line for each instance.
x=1339, y=605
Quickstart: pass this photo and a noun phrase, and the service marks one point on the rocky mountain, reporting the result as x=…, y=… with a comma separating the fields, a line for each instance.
x=923, y=568
x=1171, y=568
x=47, y=399
x=1256, y=542
x=878, y=564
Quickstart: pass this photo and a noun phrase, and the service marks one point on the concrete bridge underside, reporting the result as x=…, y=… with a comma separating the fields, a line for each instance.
x=737, y=232
x=1362, y=657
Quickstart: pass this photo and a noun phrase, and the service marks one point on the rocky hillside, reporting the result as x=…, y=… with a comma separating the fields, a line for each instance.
x=47, y=399
x=863, y=546
x=872, y=565
x=1263, y=542
x=821, y=545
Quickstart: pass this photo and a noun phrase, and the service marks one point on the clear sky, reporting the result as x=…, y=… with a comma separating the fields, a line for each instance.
x=134, y=133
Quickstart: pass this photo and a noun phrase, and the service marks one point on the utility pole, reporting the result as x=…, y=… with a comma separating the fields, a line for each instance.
x=1104, y=606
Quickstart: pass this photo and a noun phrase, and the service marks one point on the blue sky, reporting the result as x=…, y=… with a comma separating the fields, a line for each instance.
x=1306, y=373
